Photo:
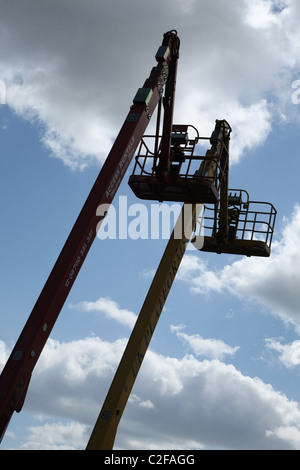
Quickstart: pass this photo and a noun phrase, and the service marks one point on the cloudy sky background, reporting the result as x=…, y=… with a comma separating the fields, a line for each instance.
x=223, y=367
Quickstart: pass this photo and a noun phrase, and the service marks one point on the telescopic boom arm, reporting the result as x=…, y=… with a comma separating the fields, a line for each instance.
x=104, y=432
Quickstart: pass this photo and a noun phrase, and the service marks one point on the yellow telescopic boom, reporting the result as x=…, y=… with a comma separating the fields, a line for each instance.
x=105, y=429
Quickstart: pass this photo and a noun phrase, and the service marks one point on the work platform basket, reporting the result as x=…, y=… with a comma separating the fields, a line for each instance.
x=250, y=226
x=190, y=178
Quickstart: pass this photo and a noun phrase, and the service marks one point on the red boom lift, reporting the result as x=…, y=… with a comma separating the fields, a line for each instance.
x=15, y=377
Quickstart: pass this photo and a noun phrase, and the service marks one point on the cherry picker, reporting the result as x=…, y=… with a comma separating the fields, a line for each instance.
x=170, y=171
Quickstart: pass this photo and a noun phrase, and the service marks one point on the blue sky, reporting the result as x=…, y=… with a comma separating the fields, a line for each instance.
x=222, y=371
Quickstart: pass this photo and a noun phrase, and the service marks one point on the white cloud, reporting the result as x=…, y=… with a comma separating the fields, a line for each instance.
x=251, y=124
x=185, y=402
x=194, y=271
x=109, y=308
x=260, y=14
x=70, y=379
x=74, y=68
x=287, y=433
x=211, y=348
x=137, y=401
x=271, y=281
x=3, y=354
x=56, y=436
x=73, y=128
x=289, y=353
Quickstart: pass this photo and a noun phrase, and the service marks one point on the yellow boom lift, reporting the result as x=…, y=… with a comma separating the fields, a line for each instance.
x=218, y=233
x=103, y=435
